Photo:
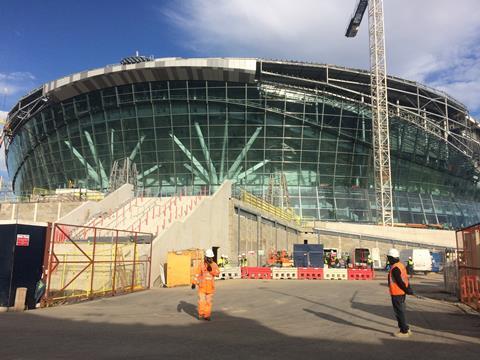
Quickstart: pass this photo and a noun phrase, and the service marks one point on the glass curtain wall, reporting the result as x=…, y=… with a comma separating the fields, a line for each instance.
x=198, y=134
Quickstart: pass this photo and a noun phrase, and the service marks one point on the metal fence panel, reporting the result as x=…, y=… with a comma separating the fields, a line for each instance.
x=87, y=262
x=468, y=245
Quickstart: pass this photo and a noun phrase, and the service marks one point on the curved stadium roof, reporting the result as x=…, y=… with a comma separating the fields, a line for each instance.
x=416, y=101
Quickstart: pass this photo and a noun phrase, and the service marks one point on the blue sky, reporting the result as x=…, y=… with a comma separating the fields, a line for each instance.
x=44, y=40
x=431, y=41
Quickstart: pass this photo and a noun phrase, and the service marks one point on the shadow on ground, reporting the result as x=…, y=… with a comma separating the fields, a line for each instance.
x=427, y=320
x=37, y=336
x=187, y=308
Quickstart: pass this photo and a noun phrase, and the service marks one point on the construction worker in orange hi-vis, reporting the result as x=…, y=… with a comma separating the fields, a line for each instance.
x=204, y=278
x=399, y=287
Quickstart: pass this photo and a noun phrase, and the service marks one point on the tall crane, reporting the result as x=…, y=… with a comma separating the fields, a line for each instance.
x=378, y=87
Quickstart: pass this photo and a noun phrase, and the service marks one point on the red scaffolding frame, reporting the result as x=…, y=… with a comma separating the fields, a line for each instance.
x=79, y=255
x=468, y=259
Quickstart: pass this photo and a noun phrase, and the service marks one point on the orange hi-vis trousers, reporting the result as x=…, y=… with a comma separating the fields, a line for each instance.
x=204, y=304
x=206, y=287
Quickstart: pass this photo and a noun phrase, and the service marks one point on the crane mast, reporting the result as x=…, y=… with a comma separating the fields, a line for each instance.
x=378, y=87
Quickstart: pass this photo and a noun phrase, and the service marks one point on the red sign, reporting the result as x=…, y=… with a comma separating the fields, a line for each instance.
x=23, y=240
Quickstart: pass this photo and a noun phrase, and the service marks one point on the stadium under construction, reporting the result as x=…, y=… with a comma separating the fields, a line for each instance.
x=297, y=134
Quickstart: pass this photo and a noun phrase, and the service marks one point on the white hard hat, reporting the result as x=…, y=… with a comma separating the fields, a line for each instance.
x=209, y=253
x=239, y=256
x=243, y=254
x=393, y=253
x=225, y=256
x=410, y=258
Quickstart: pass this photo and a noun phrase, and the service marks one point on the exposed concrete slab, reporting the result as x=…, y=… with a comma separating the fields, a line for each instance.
x=36, y=211
x=445, y=238
x=251, y=320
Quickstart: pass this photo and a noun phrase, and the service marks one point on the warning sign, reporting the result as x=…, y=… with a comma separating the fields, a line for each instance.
x=23, y=240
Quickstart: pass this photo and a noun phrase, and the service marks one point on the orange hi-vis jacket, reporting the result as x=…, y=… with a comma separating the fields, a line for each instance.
x=204, y=279
x=394, y=288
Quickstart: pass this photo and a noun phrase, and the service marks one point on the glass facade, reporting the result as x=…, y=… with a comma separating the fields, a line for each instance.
x=200, y=133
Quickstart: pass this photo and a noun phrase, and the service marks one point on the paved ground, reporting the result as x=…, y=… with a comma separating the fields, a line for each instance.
x=253, y=319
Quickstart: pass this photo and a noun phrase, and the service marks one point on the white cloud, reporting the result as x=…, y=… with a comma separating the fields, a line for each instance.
x=424, y=39
x=14, y=84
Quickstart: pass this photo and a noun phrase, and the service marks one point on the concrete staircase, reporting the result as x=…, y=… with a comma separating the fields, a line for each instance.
x=177, y=223
x=147, y=214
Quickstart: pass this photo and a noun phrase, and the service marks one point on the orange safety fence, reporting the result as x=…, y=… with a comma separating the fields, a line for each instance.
x=85, y=262
x=468, y=257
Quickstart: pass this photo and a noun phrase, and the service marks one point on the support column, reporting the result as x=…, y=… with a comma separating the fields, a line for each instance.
x=276, y=236
x=259, y=223
x=59, y=210
x=238, y=232
x=35, y=212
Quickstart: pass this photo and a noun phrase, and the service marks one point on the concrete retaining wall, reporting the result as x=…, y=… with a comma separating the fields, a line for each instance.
x=257, y=233
x=206, y=226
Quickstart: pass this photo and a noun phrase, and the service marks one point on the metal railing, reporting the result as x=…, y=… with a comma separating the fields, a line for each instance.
x=286, y=214
x=87, y=262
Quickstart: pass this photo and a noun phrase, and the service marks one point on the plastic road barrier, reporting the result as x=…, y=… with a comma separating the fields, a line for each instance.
x=310, y=273
x=360, y=274
x=256, y=273
x=230, y=273
x=284, y=273
x=335, y=274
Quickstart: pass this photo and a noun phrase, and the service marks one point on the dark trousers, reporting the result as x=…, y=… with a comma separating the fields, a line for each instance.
x=410, y=270
x=398, y=302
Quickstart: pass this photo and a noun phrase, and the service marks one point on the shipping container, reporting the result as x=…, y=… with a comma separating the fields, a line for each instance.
x=22, y=251
x=308, y=255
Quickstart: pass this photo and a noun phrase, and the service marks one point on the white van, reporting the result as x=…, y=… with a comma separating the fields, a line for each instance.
x=377, y=261
x=422, y=260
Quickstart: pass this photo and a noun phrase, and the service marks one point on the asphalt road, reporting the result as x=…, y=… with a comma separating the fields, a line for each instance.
x=252, y=319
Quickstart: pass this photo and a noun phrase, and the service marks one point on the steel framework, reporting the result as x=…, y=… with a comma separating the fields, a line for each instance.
x=124, y=171
x=79, y=258
x=378, y=87
x=381, y=134
x=277, y=192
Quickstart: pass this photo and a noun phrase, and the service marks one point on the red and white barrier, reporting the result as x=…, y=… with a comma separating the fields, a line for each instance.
x=310, y=273
x=361, y=274
x=256, y=273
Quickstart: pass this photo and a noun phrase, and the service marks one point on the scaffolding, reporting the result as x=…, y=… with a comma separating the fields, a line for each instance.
x=123, y=172
x=277, y=192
